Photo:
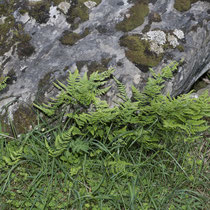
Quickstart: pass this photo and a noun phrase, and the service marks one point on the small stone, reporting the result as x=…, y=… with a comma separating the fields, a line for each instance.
x=64, y=7
x=178, y=33
x=90, y=4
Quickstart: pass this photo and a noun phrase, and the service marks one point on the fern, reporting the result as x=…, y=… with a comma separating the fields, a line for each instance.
x=3, y=83
x=82, y=91
x=147, y=120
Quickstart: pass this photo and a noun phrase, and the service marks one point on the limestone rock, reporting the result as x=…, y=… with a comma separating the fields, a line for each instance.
x=168, y=35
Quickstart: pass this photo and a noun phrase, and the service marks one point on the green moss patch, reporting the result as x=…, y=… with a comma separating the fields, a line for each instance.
x=180, y=48
x=138, y=52
x=40, y=11
x=137, y=14
x=70, y=38
x=24, y=118
x=78, y=12
x=94, y=66
x=57, y=2
x=184, y=5
x=98, y=66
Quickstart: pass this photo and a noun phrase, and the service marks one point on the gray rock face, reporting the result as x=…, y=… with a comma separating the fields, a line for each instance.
x=173, y=34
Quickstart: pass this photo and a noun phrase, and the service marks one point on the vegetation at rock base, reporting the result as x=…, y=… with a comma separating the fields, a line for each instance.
x=138, y=52
x=147, y=152
x=136, y=17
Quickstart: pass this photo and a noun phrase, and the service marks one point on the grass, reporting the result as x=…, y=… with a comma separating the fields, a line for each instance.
x=106, y=178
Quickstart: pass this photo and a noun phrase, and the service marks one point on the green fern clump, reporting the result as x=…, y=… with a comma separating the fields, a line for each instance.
x=150, y=119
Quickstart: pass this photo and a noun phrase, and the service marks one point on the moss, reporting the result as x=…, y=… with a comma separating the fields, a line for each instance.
x=22, y=11
x=200, y=84
x=137, y=15
x=12, y=32
x=138, y=52
x=5, y=127
x=184, y=5
x=24, y=117
x=98, y=66
x=57, y=2
x=25, y=49
x=40, y=11
x=78, y=12
x=94, y=66
x=12, y=77
x=180, y=48
x=6, y=40
x=70, y=38
x=43, y=85
x=146, y=28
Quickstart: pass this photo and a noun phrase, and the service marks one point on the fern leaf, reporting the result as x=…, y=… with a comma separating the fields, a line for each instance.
x=122, y=90
x=79, y=146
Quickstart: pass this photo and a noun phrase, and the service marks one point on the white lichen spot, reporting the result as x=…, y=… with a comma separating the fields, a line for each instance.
x=157, y=40
x=157, y=36
x=64, y=7
x=172, y=40
x=90, y=4
x=154, y=47
x=137, y=79
x=178, y=33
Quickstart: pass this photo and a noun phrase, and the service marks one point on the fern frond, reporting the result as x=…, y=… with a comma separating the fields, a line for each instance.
x=122, y=89
x=79, y=145
x=3, y=83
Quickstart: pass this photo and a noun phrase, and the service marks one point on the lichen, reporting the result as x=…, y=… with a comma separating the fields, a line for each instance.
x=138, y=52
x=135, y=17
x=70, y=38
